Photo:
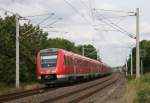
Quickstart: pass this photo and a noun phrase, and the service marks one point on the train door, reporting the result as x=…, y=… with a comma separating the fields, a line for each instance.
x=74, y=67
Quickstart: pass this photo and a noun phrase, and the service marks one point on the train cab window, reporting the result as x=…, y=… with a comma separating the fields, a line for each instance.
x=48, y=60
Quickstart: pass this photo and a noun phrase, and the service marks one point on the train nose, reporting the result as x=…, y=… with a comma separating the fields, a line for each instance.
x=48, y=71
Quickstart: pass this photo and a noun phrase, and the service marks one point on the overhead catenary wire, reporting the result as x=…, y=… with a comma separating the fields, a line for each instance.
x=46, y=19
x=113, y=17
x=118, y=26
x=121, y=19
x=53, y=22
x=129, y=34
x=76, y=10
x=93, y=52
x=39, y=23
x=32, y=16
x=119, y=11
x=43, y=27
x=83, y=17
x=115, y=26
x=90, y=8
x=122, y=30
x=82, y=2
x=56, y=31
x=7, y=10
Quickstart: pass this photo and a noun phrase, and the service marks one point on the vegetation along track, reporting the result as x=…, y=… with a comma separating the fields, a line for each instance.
x=17, y=95
x=71, y=98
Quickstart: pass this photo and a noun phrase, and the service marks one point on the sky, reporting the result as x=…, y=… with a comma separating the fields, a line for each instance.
x=88, y=22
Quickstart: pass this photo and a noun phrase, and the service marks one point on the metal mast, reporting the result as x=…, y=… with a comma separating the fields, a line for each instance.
x=17, y=51
x=137, y=45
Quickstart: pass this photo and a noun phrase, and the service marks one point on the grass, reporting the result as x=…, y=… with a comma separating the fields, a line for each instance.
x=143, y=90
x=5, y=89
x=138, y=90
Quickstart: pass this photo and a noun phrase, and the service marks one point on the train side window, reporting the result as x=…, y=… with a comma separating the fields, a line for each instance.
x=70, y=61
x=67, y=61
x=64, y=61
x=75, y=60
x=78, y=62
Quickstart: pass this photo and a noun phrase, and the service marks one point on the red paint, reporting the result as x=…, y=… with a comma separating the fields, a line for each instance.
x=77, y=64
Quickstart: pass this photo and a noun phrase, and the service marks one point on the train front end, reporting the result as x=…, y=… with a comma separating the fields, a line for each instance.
x=47, y=61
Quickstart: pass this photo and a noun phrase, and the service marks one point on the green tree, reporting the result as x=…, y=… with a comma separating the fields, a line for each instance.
x=145, y=56
x=89, y=51
x=29, y=45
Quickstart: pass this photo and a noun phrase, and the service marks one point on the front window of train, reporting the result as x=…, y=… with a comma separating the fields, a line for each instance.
x=48, y=60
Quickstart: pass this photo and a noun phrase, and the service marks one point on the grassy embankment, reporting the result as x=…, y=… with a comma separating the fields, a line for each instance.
x=5, y=89
x=138, y=91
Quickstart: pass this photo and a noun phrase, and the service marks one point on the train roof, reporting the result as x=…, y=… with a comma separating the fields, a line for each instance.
x=49, y=50
x=83, y=57
x=68, y=52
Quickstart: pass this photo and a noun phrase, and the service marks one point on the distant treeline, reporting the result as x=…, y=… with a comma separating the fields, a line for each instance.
x=30, y=43
x=144, y=56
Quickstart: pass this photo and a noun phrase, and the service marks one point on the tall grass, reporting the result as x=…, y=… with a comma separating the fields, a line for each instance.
x=143, y=90
x=5, y=89
x=138, y=90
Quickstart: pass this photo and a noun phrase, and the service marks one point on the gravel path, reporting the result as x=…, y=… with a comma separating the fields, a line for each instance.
x=111, y=94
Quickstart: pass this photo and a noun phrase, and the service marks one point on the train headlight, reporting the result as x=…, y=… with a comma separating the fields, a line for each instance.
x=39, y=77
x=53, y=71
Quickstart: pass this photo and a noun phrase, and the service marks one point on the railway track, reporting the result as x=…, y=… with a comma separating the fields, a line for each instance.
x=82, y=93
x=17, y=95
x=22, y=94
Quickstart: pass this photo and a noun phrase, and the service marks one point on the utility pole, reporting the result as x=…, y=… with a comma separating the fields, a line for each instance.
x=97, y=54
x=137, y=45
x=17, y=51
x=141, y=67
x=82, y=50
x=126, y=68
x=131, y=64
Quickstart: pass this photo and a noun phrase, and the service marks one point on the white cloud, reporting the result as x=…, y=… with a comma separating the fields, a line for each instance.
x=145, y=27
x=79, y=24
x=106, y=6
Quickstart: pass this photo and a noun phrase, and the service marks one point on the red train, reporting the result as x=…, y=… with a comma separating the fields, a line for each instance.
x=54, y=65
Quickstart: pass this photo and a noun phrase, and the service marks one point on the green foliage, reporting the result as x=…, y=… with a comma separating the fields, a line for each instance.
x=89, y=51
x=143, y=92
x=145, y=56
x=144, y=96
x=30, y=43
x=145, y=80
x=28, y=48
x=60, y=43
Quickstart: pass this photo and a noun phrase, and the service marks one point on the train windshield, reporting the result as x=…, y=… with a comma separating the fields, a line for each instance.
x=48, y=60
